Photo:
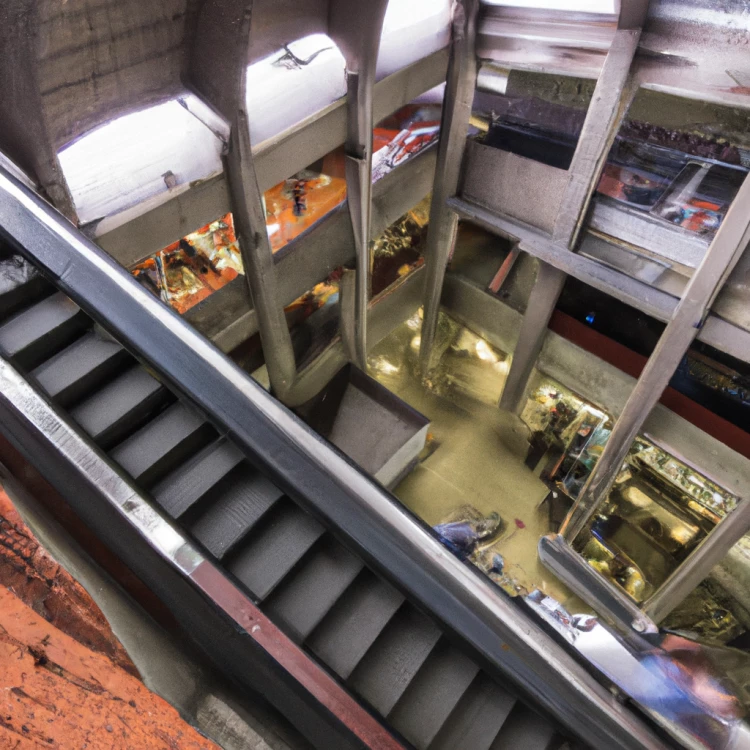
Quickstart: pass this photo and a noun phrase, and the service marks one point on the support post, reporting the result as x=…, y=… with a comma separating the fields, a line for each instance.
x=613, y=94
x=542, y=300
x=220, y=82
x=688, y=318
x=454, y=127
x=356, y=29
x=257, y=259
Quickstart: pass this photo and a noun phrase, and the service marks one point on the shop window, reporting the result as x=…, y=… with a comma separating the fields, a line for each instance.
x=191, y=269
x=399, y=250
x=678, y=162
x=296, y=204
x=300, y=202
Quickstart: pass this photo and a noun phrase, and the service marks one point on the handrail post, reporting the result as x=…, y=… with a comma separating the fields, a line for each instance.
x=454, y=127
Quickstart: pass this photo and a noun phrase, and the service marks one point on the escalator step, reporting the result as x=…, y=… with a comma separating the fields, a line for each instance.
x=346, y=633
x=79, y=369
x=120, y=407
x=394, y=659
x=20, y=286
x=229, y=517
x=433, y=694
x=477, y=718
x=37, y=333
x=163, y=444
x=525, y=728
x=285, y=535
x=304, y=598
x=181, y=489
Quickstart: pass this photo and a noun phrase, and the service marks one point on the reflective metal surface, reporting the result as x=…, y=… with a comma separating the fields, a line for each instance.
x=605, y=598
x=678, y=680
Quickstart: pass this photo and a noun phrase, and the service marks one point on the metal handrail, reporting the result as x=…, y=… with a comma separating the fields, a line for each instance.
x=366, y=517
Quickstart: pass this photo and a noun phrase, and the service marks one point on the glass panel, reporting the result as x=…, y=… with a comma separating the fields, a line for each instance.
x=678, y=161
x=700, y=197
x=136, y=157
x=638, y=174
x=656, y=514
x=191, y=269
x=658, y=510
x=412, y=130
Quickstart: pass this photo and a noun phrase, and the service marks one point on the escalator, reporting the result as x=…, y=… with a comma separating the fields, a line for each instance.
x=243, y=486
x=381, y=646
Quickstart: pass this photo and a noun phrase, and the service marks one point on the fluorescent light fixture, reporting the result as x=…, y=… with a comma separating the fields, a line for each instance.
x=123, y=163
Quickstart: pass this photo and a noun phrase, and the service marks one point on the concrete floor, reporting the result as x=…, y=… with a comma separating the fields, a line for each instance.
x=479, y=458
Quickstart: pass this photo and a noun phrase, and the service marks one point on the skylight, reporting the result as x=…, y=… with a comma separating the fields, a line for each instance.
x=138, y=156
x=292, y=84
x=412, y=29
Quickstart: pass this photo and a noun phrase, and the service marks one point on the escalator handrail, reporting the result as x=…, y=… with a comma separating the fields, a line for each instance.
x=365, y=516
